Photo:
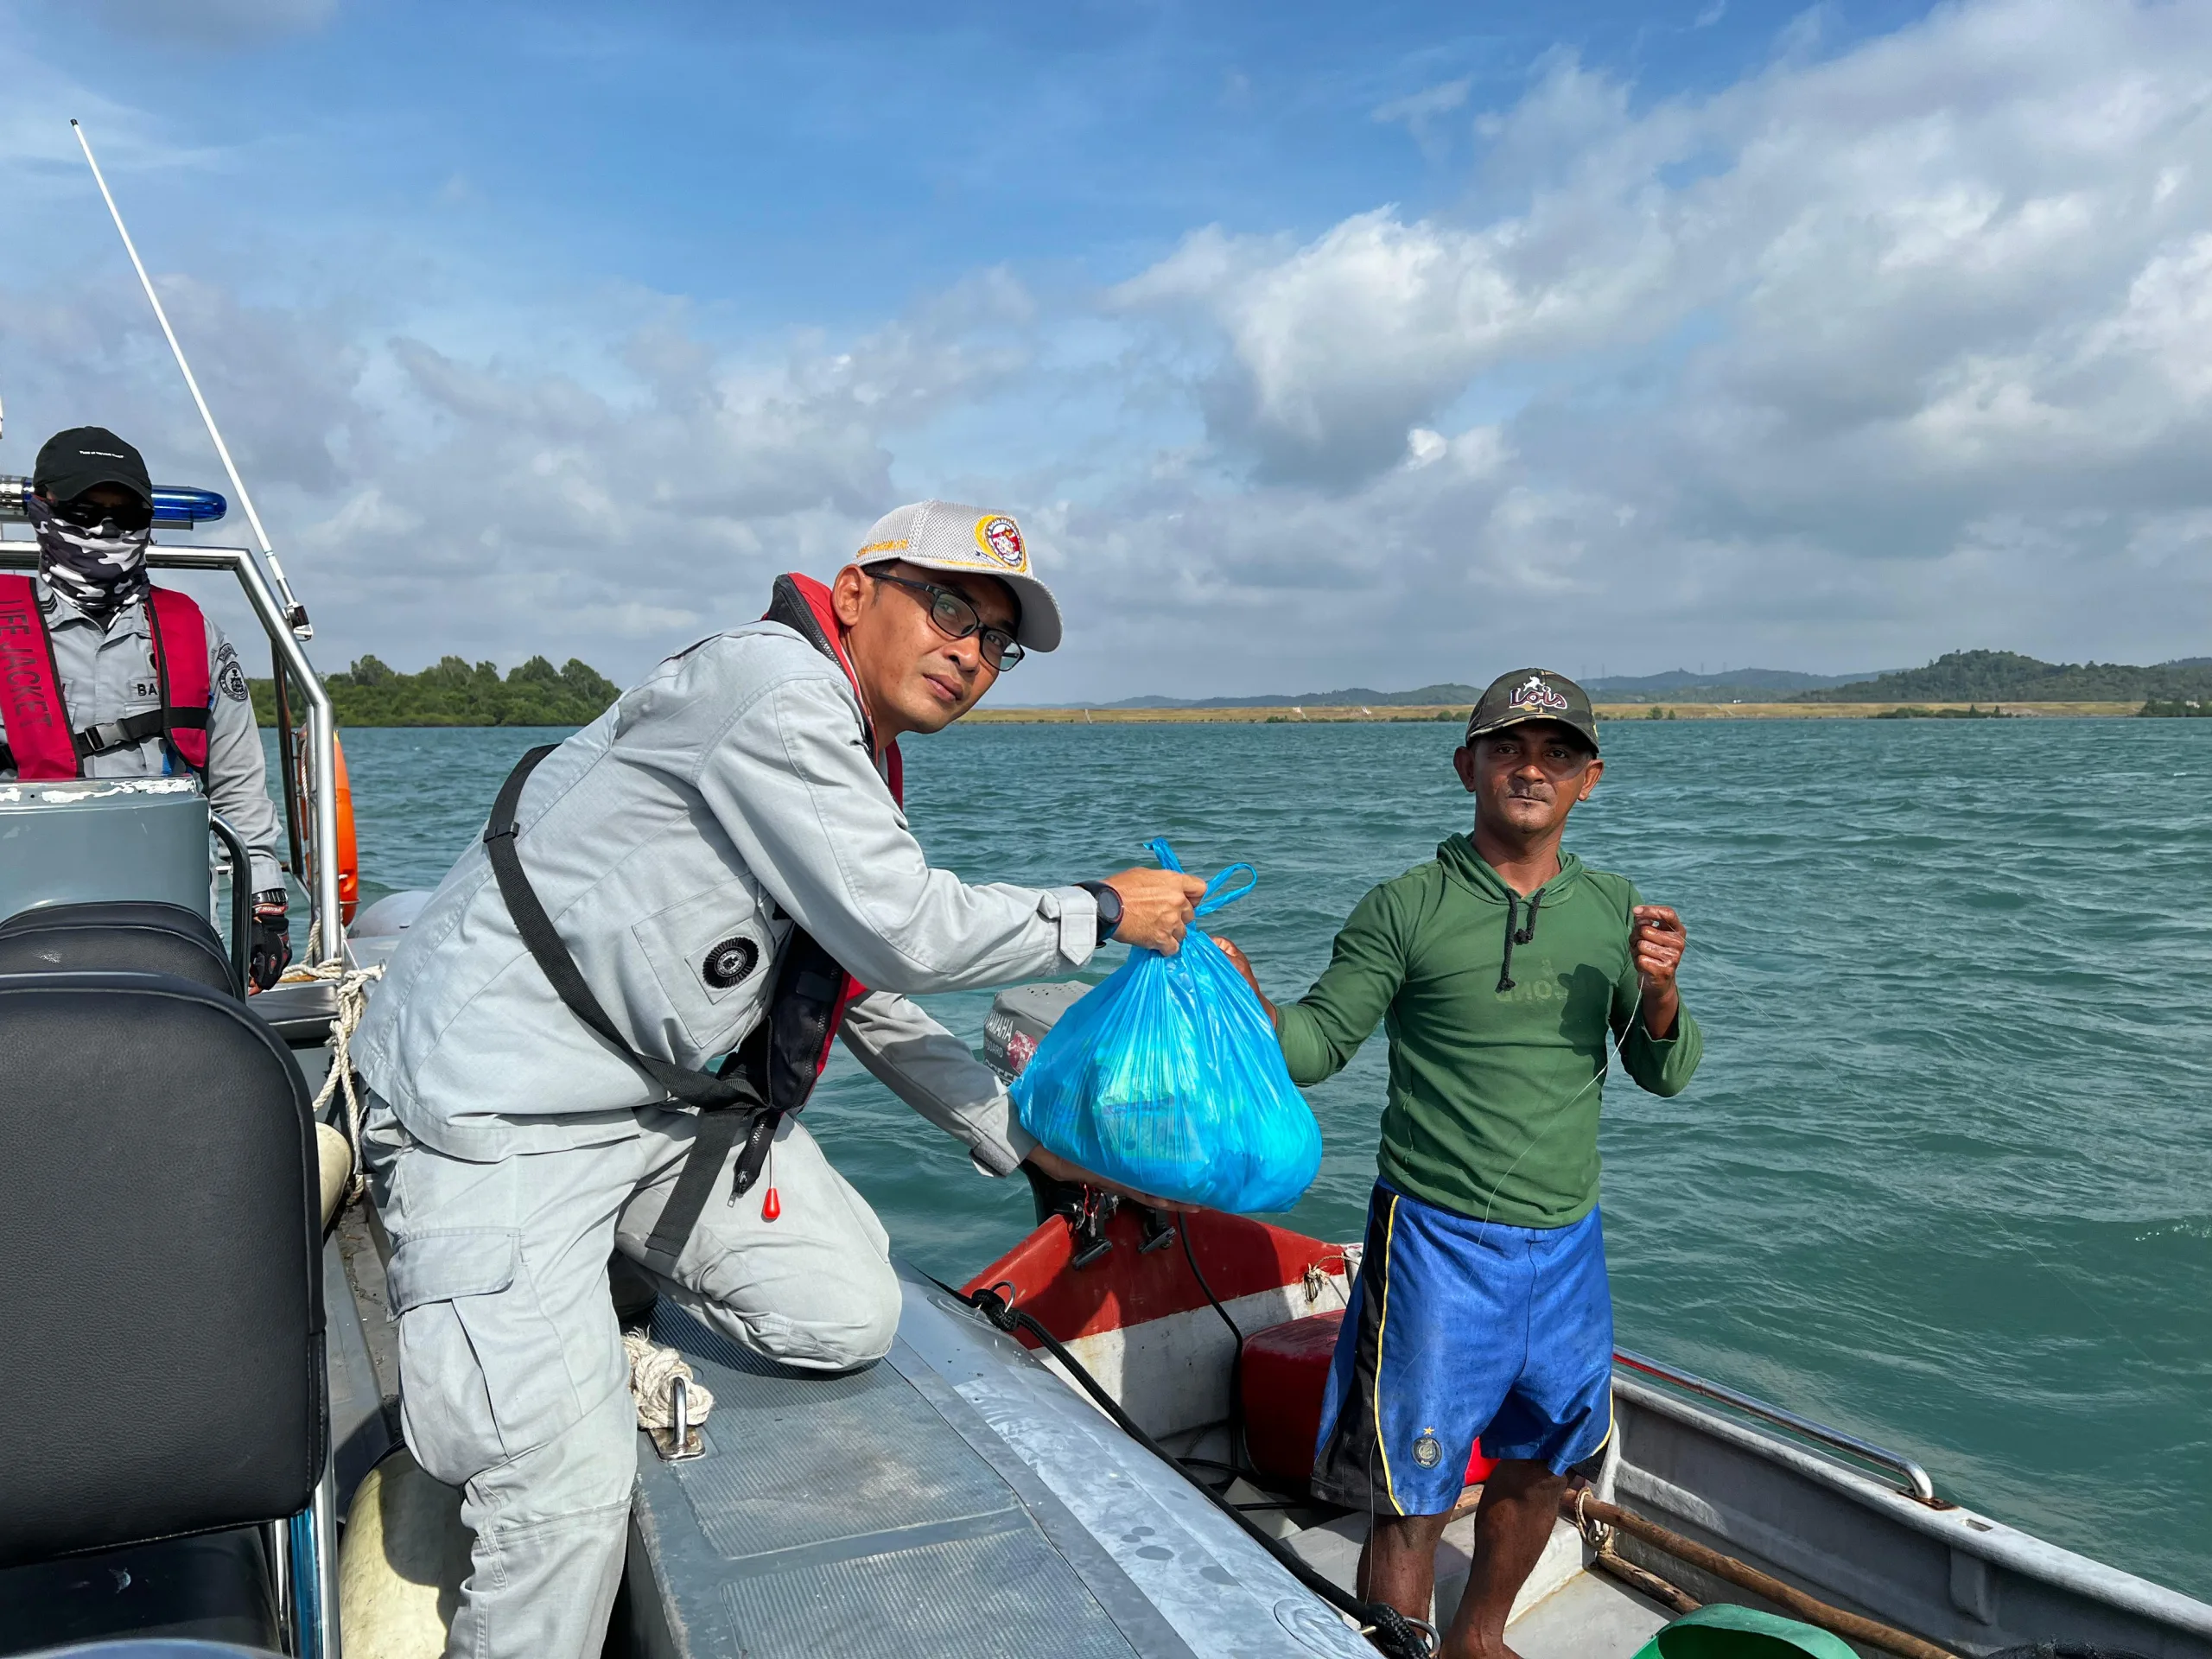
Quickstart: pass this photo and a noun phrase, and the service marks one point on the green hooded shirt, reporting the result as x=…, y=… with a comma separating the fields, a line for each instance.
x=1494, y=1093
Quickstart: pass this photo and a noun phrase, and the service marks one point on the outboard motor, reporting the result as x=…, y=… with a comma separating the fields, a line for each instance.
x=1019, y=1019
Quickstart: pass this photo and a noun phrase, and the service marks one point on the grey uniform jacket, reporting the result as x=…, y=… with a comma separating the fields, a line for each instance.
x=108, y=674
x=729, y=796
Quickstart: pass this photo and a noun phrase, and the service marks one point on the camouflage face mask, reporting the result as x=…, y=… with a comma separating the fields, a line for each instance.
x=101, y=570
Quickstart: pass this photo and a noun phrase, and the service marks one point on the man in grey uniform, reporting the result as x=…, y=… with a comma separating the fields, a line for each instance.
x=83, y=641
x=733, y=816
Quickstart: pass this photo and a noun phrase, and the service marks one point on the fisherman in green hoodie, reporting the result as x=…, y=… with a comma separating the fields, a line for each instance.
x=1502, y=970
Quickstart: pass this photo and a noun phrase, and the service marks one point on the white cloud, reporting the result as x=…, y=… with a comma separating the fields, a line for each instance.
x=1782, y=365
x=1864, y=358
x=1416, y=109
x=1423, y=113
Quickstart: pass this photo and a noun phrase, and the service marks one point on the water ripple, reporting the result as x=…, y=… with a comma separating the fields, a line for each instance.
x=1943, y=1179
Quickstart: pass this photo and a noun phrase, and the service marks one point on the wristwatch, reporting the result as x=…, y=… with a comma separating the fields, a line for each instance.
x=1109, y=907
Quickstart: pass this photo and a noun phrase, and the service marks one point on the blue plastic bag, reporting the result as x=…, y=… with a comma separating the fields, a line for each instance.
x=1167, y=1078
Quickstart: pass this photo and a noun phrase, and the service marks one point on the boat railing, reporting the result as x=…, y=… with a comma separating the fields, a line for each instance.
x=1916, y=1484
x=321, y=828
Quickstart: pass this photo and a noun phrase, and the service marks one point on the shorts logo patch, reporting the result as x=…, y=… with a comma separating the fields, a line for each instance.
x=1428, y=1451
x=729, y=962
x=1533, y=693
x=1001, y=537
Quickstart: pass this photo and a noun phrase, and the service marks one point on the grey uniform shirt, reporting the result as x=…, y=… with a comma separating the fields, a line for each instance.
x=728, y=796
x=107, y=674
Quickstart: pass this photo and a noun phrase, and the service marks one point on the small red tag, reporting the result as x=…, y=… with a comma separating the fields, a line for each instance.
x=771, y=1206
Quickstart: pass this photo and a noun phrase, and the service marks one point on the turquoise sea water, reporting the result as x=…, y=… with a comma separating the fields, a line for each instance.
x=1945, y=1178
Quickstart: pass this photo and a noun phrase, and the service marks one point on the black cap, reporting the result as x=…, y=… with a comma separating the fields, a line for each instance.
x=1533, y=694
x=73, y=462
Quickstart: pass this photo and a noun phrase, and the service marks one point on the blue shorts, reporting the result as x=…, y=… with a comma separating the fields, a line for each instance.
x=1456, y=1329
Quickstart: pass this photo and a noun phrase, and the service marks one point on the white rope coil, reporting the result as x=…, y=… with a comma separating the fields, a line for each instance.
x=352, y=995
x=653, y=1372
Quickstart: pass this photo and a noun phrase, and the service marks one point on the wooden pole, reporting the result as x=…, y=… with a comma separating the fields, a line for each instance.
x=1794, y=1601
x=1649, y=1583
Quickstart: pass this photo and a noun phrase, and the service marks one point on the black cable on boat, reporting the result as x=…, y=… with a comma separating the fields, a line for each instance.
x=1393, y=1634
x=1237, y=1460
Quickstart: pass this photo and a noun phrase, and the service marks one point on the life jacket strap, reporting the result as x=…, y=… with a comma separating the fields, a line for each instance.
x=771, y=1075
x=135, y=728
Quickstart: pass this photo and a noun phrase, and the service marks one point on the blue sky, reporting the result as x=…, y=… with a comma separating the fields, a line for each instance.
x=1314, y=345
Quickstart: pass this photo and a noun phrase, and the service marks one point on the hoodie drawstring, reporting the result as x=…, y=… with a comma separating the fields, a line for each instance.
x=1516, y=934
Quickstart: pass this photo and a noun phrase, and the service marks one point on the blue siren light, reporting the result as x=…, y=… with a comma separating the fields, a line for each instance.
x=174, y=504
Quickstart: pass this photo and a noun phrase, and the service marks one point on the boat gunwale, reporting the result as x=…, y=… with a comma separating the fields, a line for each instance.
x=2001, y=1545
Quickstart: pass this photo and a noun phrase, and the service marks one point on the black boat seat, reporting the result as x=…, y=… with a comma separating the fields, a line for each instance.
x=160, y=1270
x=159, y=1649
x=129, y=936
x=215, y=1588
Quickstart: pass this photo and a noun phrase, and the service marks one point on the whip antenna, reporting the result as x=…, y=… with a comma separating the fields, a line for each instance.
x=296, y=614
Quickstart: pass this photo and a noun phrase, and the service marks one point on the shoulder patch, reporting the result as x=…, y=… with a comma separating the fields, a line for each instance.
x=230, y=679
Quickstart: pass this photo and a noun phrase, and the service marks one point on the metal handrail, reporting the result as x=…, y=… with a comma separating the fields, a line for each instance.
x=322, y=726
x=241, y=901
x=1918, y=1484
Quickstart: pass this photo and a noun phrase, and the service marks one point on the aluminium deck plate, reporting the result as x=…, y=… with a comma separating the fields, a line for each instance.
x=844, y=1514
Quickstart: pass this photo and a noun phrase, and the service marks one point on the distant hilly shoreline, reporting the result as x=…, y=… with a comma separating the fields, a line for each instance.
x=1737, y=684
x=457, y=693
x=1956, y=676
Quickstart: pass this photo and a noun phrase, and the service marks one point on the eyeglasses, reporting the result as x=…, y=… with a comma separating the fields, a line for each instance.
x=956, y=619
x=88, y=514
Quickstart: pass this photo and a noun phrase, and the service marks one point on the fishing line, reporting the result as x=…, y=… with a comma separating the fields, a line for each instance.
x=1620, y=1042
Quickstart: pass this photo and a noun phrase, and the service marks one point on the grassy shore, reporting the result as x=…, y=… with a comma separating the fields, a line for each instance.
x=1605, y=711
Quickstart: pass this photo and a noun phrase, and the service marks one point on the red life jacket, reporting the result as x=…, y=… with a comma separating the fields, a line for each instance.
x=803, y=605
x=33, y=702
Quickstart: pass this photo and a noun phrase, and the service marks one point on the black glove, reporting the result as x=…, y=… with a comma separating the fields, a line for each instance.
x=272, y=939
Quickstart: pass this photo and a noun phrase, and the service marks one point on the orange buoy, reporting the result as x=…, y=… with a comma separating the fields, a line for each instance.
x=349, y=856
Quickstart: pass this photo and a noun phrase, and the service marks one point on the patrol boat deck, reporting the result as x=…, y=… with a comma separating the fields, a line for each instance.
x=955, y=1499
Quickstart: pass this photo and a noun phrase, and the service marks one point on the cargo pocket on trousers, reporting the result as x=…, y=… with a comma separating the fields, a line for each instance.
x=482, y=1374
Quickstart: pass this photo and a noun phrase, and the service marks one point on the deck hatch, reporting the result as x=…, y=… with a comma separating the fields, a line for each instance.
x=844, y=1514
x=1009, y=1597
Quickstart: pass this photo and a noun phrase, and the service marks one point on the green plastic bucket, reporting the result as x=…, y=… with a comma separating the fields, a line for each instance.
x=1722, y=1631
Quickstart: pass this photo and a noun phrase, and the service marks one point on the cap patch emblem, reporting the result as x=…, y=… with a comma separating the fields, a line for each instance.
x=1533, y=693
x=1001, y=537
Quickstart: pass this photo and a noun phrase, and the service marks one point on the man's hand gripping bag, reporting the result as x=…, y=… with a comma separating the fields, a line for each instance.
x=1168, y=1078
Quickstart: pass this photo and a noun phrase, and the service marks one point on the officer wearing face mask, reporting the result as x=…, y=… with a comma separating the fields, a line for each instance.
x=110, y=677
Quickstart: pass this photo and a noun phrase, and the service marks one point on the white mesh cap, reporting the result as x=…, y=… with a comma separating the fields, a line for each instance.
x=946, y=535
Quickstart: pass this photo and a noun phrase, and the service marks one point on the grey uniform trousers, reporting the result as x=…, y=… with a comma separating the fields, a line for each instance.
x=513, y=1382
